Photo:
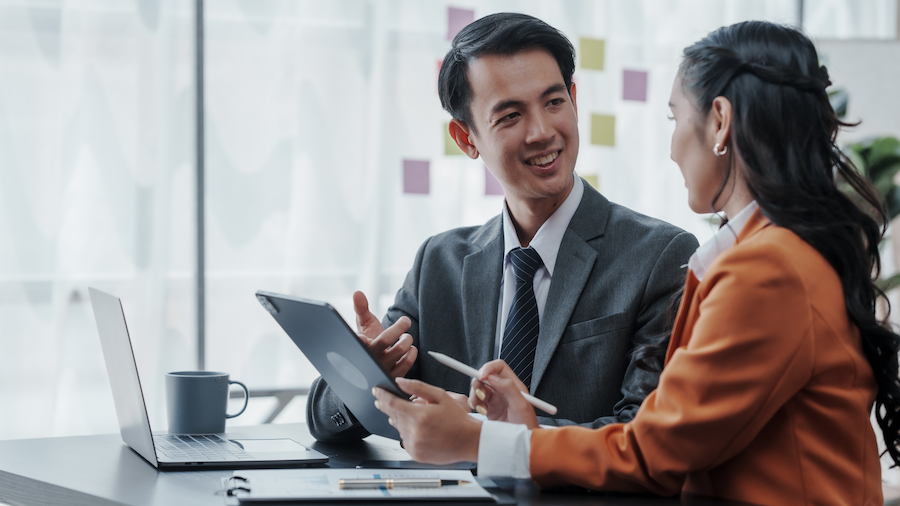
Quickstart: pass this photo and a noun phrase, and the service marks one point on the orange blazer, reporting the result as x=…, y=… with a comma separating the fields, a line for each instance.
x=765, y=396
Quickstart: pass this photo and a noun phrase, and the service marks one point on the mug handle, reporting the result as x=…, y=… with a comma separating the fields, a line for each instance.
x=246, y=398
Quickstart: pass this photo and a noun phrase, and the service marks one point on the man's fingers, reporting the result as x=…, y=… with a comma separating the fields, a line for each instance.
x=366, y=322
x=360, y=304
x=390, y=336
x=402, y=366
x=397, y=350
x=389, y=403
x=424, y=390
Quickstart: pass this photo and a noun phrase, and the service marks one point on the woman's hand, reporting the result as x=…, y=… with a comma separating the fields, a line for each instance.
x=437, y=431
x=501, y=399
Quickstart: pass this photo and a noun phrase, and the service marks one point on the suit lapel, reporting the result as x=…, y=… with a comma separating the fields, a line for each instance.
x=573, y=267
x=482, y=271
x=574, y=263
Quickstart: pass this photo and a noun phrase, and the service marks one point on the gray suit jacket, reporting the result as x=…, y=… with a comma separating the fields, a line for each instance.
x=611, y=285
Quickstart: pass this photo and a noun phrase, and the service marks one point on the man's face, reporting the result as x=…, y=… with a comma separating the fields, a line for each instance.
x=526, y=127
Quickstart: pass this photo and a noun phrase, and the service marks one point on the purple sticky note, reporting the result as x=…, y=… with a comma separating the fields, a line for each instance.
x=491, y=185
x=634, y=85
x=457, y=19
x=416, y=176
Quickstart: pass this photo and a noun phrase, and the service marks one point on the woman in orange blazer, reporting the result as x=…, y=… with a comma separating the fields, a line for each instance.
x=776, y=358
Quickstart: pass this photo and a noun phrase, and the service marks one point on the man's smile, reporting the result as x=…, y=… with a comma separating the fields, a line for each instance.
x=544, y=159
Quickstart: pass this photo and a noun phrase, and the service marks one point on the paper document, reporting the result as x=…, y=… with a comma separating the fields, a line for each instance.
x=322, y=484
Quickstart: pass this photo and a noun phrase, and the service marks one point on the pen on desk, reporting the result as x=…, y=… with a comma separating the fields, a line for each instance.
x=473, y=373
x=390, y=483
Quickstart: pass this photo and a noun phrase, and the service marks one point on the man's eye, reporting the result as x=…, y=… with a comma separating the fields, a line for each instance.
x=510, y=116
x=671, y=117
x=556, y=101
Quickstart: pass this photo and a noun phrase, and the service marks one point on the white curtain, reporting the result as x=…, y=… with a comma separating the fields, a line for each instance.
x=96, y=189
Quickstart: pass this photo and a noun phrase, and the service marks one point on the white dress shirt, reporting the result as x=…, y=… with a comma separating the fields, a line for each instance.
x=546, y=242
x=504, y=448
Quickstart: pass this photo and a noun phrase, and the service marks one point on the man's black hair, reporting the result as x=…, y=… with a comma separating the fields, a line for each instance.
x=504, y=33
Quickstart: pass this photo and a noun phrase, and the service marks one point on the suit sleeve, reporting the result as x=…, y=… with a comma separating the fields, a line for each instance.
x=750, y=351
x=653, y=326
x=327, y=417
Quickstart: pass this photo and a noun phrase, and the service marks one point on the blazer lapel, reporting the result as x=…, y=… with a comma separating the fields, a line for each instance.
x=481, y=276
x=757, y=222
x=573, y=267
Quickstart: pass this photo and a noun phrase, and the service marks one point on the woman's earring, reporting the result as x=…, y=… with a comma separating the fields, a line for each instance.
x=717, y=152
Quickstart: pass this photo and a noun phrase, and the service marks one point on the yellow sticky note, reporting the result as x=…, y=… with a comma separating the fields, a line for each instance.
x=450, y=147
x=593, y=180
x=603, y=130
x=592, y=53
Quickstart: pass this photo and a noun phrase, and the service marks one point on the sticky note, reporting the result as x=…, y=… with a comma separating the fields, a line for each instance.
x=450, y=147
x=491, y=185
x=592, y=52
x=603, y=130
x=416, y=176
x=593, y=180
x=457, y=19
x=634, y=85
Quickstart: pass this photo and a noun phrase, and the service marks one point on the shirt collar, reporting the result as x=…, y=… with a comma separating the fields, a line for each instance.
x=548, y=238
x=725, y=237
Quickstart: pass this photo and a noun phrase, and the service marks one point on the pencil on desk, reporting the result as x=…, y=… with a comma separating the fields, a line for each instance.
x=390, y=483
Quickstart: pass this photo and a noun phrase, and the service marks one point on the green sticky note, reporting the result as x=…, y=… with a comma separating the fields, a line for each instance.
x=593, y=180
x=592, y=53
x=603, y=130
x=450, y=147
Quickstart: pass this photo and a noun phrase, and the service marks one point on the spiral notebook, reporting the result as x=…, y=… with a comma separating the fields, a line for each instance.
x=288, y=485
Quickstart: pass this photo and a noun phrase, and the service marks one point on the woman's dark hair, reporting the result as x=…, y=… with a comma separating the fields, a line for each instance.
x=504, y=33
x=784, y=129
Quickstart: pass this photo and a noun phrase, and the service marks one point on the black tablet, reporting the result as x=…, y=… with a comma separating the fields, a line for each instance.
x=338, y=354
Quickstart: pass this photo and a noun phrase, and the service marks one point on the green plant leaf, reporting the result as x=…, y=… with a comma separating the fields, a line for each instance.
x=839, y=99
x=889, y=283
x=882, y=148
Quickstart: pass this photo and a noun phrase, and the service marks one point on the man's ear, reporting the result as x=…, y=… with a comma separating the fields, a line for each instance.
x=572, y=94
x=460, y=133
x=720, y=121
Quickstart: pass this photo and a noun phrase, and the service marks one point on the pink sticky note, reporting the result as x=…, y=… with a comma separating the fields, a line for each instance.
x=416, y=176
x=457, y=19
x=634, y=85
x=491, y=185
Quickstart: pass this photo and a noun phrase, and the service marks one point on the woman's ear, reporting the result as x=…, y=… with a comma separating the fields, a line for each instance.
x=720, y=121
x=462, y=135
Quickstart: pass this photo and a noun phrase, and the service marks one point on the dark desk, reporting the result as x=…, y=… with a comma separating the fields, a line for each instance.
x=92, y=470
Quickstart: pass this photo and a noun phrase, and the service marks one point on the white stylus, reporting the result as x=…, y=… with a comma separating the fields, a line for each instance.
x=456, y=365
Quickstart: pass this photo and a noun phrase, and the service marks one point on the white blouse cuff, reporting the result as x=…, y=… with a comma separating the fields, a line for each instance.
x=504, y=450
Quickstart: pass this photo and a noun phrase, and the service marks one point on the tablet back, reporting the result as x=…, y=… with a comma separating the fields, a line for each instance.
x=338, y=354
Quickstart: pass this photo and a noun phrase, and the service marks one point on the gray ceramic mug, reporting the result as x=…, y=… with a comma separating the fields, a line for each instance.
x=197, y=401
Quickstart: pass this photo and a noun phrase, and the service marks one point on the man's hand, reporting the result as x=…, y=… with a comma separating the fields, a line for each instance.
x=501, y=399
x=392, y=346
x=436, y=431
x=460, y=399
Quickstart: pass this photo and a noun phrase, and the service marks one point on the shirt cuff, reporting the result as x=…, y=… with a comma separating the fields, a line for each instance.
x=504, y=450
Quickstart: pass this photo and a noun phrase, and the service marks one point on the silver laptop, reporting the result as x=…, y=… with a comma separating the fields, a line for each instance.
x=177, y=451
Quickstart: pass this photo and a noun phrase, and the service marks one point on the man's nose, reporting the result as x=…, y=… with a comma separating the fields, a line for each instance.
x=539, y=129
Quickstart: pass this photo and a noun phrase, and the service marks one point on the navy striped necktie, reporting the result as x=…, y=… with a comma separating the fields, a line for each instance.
x=522, y=325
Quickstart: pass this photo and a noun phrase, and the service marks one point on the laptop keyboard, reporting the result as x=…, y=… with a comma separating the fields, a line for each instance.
x=197, y=448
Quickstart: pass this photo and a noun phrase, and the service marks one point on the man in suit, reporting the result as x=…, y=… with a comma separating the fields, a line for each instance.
x=563, y=284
